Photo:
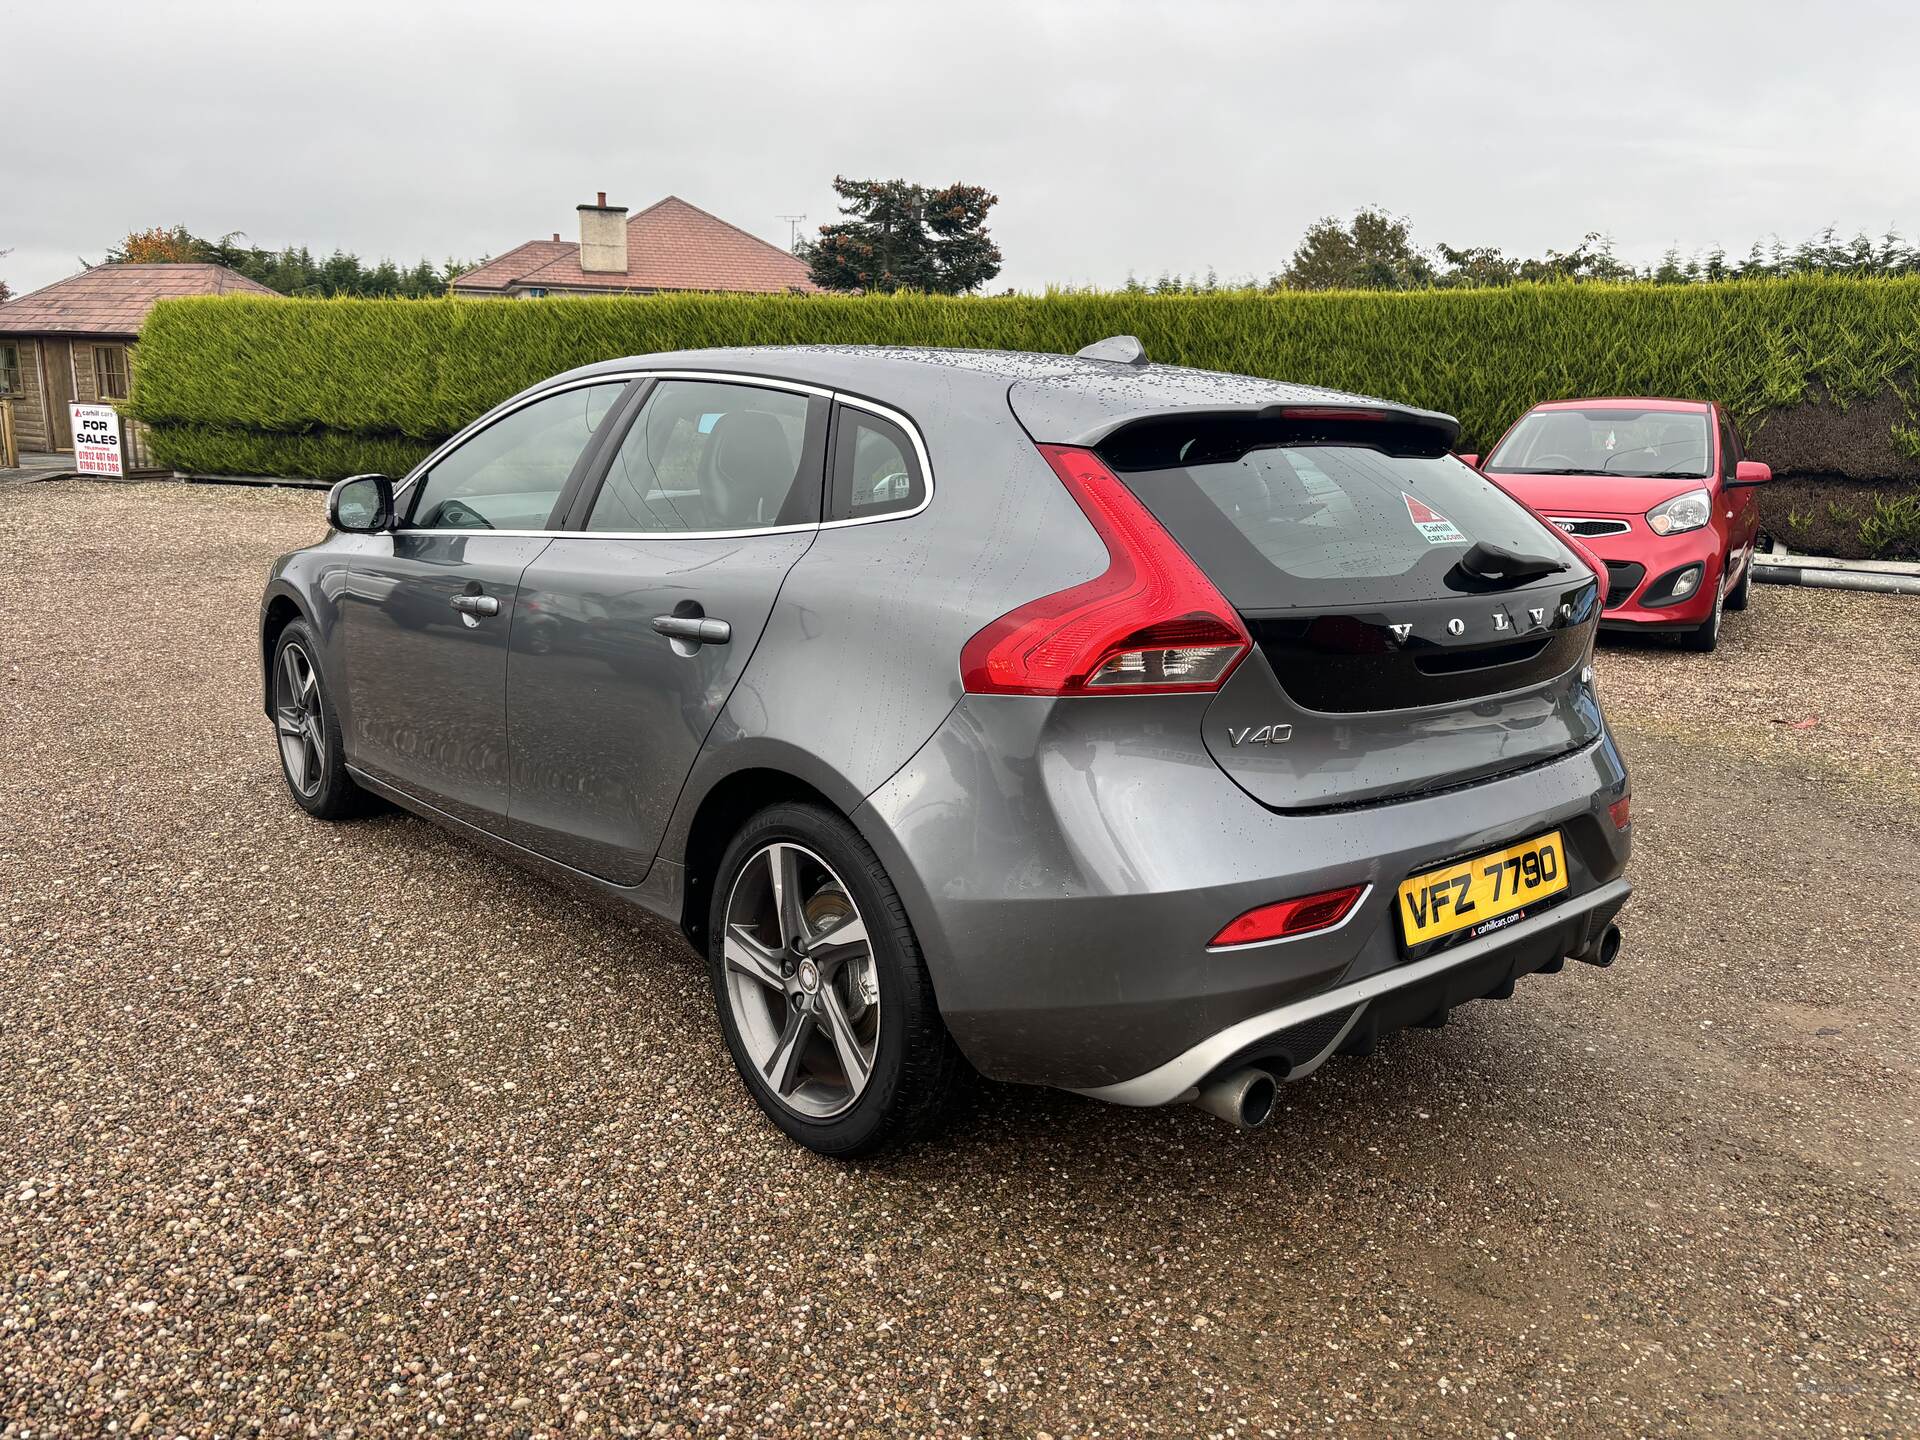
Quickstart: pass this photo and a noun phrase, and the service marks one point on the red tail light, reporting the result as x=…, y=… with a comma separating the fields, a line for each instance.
x=1622, y=812
x=1287, y=918
x=1151, y=624
x=1331, y=412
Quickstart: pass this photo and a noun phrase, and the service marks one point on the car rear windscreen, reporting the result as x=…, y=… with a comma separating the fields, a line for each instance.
x=1606, y=440
x=1314, y=525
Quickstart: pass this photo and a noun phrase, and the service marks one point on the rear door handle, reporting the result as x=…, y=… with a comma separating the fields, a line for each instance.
x=476, y=604
x=697, y=628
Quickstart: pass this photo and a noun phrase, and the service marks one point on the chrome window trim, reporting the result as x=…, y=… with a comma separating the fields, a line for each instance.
x=806, y=527
x=626, y=377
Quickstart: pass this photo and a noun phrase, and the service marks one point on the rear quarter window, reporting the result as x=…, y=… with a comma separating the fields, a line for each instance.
x=876, y=470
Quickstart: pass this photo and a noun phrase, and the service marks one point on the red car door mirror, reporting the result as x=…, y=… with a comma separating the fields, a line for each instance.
x=1473, y=460
x=1752, y=472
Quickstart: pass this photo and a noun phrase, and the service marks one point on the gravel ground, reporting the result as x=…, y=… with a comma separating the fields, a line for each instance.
x=324, y=1130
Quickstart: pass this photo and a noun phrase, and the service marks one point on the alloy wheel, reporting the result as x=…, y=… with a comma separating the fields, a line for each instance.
x=801, y=981
x=297, y=716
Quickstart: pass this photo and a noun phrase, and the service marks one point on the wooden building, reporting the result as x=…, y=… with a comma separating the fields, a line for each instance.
x=72, y=342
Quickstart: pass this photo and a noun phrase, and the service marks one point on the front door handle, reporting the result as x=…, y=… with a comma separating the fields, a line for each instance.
x=697, y=628
x=476, y=604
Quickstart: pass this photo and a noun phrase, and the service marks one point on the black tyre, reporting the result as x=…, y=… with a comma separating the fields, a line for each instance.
x=822, y=993
x=1705, y=637
x=312, y=760
x=1737, y=598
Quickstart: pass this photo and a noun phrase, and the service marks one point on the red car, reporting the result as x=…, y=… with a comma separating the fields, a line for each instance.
x=1658, y=490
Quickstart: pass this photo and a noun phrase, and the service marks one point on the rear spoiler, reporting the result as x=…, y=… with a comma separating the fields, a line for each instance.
x=1158, y=439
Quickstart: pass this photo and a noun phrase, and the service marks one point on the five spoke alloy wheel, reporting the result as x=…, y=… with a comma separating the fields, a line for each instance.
x=801, y=981
x=300, y=721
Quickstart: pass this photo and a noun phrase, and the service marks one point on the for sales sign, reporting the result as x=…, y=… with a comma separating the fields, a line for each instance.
x=96, y=440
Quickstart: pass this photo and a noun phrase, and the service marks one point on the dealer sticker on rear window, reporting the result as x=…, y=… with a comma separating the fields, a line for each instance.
x=1431, y=523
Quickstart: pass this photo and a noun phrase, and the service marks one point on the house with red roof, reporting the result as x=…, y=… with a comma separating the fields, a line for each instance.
x=72, y=341
x=668, y=246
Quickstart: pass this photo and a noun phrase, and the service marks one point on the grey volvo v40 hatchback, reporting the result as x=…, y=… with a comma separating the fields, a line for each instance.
x=1144, y=731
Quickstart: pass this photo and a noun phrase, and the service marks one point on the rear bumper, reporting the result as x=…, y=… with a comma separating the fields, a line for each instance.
x=1064, y=865
x=1293, y=1039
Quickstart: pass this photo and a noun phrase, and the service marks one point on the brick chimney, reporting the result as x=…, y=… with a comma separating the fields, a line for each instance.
x=603, y=237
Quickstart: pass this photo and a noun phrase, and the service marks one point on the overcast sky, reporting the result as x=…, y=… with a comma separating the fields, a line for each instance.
x=1120, y=138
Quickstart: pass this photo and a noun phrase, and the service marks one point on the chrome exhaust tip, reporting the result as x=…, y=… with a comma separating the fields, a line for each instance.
x=1604, y=951
x=1243, y=1098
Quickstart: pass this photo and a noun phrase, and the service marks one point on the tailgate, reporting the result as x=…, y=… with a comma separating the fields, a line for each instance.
x=1415, y=627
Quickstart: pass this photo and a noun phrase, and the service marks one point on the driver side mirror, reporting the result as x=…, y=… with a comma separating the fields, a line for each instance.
x=1751, y=472
x=361, y=505
x=1472, y=462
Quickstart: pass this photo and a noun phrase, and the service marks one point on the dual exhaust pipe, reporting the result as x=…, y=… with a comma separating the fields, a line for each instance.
x=1244, y=1098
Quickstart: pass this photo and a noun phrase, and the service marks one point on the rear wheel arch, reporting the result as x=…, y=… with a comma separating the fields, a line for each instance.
x=722, y=811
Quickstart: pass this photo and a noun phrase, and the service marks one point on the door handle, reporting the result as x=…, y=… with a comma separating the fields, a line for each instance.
x=476, y=604
x=697, y=628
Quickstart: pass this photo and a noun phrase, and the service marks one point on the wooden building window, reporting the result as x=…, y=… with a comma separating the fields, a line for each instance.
x=110, y=372
x=10, y=370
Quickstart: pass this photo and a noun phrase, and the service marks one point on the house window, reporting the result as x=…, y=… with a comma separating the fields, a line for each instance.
x=10, y=370
x=110, y=371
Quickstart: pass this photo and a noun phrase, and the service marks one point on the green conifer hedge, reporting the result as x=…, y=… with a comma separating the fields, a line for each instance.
x=241, y=384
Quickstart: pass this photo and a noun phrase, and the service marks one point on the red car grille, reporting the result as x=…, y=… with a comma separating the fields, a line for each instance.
x=1590, y=529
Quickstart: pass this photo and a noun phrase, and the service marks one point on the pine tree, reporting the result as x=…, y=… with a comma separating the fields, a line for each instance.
x=902, y=236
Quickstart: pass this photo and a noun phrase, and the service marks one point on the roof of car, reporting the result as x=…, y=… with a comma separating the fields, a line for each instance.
x=1624, y=402
x=1059, y=398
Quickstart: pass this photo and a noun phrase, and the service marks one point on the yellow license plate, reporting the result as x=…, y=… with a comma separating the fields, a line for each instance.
x=1473, y=892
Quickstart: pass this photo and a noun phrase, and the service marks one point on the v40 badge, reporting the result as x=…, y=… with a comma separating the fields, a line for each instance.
x=1260, y=734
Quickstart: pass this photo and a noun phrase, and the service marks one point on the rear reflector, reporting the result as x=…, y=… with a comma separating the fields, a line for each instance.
x=1150, y=624
x=1622, y=812
x=1287, y=918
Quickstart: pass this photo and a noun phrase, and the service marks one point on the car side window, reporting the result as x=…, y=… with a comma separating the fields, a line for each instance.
x=509, y=475
x=1729, y=450
x=706, y=455
x=876, y=470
